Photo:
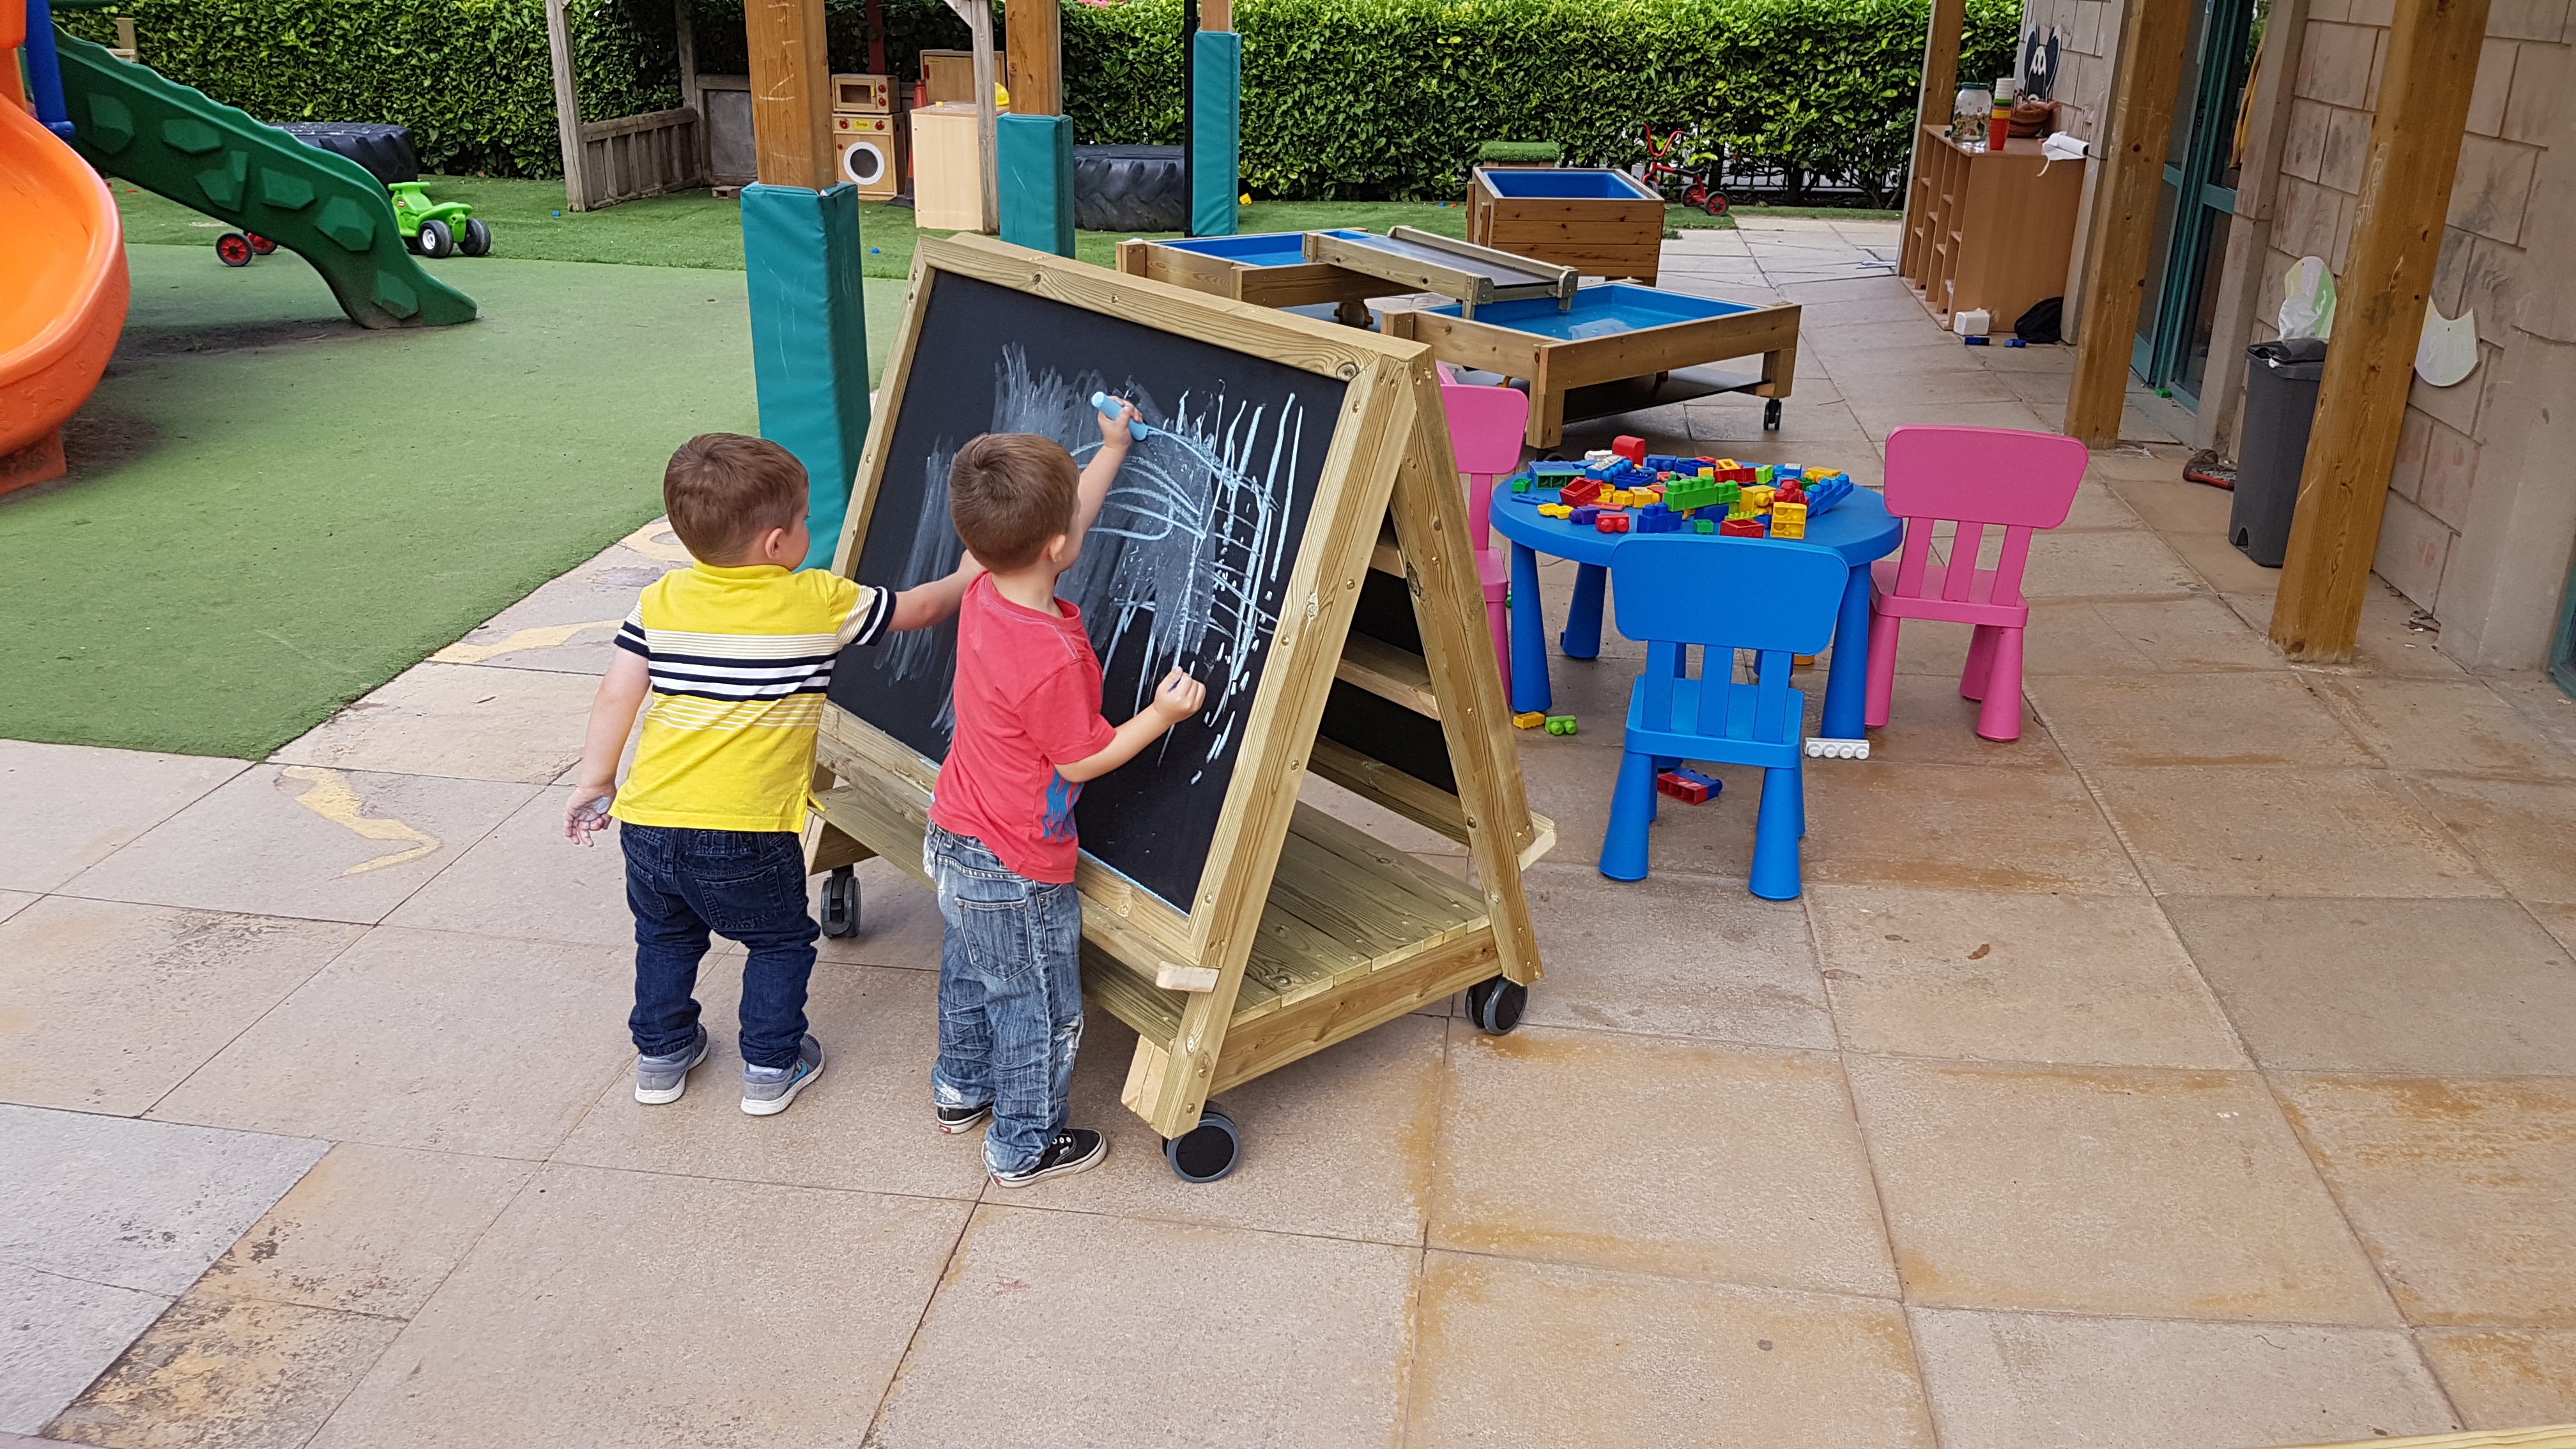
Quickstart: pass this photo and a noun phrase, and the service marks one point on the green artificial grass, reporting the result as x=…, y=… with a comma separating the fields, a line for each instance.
x=271, y=512
x=694, y=229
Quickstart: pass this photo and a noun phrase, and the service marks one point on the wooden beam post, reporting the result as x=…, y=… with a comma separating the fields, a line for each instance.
x=978, y=15
x=2379, y=317
x=2115, y=270
x=685, y=33
x=1941, y=63
x=567, y=107
x=1034, y=31
x=791, y=93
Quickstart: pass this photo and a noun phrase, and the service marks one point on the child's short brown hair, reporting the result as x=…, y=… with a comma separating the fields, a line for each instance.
x=1008, y=494
x=723, y=490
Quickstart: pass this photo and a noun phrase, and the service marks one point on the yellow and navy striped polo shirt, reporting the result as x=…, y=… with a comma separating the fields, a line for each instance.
x=741, y=659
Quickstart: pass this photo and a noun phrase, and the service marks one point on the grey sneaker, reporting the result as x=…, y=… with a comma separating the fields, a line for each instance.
x=766, y=1091
x=663, y=1079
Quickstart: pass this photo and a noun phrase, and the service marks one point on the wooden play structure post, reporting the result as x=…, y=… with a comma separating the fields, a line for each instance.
x=2115, y=268
x=800, y=238
x=2433, y=49
x=791, y=92
x=978, y=15
x=567, y=106
x=647, y=154
x=1036, y=40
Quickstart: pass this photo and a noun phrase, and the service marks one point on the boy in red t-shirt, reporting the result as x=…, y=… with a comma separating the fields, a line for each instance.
x=1001, y=841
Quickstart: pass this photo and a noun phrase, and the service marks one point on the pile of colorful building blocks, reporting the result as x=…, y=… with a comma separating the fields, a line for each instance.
x=1625, y=489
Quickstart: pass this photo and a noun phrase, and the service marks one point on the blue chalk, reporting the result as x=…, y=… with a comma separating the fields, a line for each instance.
x=1108, y=409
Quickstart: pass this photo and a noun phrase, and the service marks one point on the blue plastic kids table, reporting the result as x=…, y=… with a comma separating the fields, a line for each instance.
x=1859, y=528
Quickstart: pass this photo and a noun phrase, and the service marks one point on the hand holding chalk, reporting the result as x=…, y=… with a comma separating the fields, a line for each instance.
x=1112, y=407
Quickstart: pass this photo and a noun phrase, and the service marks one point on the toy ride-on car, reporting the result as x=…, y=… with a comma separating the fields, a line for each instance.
x=437, y=228
x=236, y=248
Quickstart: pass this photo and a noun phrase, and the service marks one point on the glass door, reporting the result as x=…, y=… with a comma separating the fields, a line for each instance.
x=2198, y=200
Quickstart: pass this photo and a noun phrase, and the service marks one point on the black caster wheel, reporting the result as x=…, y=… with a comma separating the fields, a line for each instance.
x=233, y=249
x=1495, y=1004
x=841, y=903
x=1205, y=1152
x=1771, y=416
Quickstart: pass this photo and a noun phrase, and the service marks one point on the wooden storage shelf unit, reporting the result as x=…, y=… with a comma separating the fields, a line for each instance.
x=1988, y=229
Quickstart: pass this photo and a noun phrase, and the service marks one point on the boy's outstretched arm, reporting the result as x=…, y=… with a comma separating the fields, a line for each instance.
x=1175, y=699
x=612, y=717
x=923, y=605
x=1102, y=470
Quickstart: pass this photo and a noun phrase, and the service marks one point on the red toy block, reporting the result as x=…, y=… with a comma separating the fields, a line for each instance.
x=1580, y=490
x=1632, y=449
x=1611, y=522
x=1690, y=791
x=1742, y=528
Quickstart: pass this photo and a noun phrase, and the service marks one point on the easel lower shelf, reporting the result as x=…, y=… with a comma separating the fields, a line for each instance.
x=1354, y=932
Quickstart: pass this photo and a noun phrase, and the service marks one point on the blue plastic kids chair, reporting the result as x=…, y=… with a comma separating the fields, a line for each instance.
x=1723, y=594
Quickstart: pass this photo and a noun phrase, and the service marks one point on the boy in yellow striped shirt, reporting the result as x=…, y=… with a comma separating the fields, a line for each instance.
x=736, y=654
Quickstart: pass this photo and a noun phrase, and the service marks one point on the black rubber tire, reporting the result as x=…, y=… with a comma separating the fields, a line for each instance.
x=436, y=240
x=841, y=903
x=1771, y=416
x=1717, y=203
x=477, y=241
x=1129, y=189
x=233, y=249
x=383, y=149
x=1495, y=1004
x=1206, y=1152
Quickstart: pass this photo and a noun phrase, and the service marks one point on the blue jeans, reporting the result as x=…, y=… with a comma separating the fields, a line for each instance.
x=747, y=885
x=1010, y=996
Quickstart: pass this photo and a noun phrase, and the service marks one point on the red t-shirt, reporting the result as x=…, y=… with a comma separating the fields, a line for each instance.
x=1028, y=699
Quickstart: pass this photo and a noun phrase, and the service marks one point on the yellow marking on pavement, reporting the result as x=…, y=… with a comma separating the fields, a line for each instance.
x=548, y=637
x=648, y=541
x=328, y=795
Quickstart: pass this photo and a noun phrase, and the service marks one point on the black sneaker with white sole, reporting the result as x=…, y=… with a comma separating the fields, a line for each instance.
x=1075, y=1149
x=960, y=1119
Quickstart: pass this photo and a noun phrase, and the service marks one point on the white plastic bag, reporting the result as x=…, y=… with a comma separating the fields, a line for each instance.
x=2308, y=300
x=2448, y=350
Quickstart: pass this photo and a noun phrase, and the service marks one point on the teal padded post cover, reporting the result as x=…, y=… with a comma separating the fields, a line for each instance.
x=1036, y=157
x=1216, y=130
x=809, y=340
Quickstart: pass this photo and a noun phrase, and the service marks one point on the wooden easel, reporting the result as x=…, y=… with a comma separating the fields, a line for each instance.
x=1304, y=931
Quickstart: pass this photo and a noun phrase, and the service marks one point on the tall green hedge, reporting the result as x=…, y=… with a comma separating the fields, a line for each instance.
x=1342, y=98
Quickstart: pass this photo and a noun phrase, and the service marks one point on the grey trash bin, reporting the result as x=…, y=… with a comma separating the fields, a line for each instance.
x=2280, y=402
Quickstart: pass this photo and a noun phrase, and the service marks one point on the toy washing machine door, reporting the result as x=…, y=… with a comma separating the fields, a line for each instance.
x=866, y=151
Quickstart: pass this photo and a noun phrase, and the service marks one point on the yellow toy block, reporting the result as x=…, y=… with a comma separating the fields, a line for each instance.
x=1533, y=720
x=1555, y=510
x=1757, y=499
x=1788, y=520
x=1729, y=464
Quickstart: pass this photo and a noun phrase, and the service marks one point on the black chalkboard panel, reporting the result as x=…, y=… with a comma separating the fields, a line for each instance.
x=1188, y=563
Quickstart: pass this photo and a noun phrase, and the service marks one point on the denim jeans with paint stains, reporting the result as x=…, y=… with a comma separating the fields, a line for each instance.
x=1010, y=996
x=748, y=885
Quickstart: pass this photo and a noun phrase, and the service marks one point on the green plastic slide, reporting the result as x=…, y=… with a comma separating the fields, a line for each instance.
x=130, y=122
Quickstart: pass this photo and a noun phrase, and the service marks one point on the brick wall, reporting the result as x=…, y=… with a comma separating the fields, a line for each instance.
x=2514, y=113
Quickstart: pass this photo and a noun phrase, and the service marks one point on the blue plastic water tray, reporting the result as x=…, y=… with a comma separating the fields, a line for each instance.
x=1603, y=311
x=1535, y=184
x=1267, y=249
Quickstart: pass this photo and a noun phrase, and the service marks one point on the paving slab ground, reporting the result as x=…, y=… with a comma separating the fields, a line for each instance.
x=2194, y=1072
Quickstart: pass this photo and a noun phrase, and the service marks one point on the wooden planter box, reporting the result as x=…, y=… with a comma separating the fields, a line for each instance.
x=1600, y=222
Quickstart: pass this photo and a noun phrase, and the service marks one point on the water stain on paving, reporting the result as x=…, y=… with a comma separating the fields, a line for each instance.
x=241, y=1374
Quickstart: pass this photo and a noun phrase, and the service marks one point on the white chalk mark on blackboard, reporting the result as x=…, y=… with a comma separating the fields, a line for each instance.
x=1187, y=550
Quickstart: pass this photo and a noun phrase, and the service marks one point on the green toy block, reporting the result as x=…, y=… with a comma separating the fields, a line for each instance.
x=1560, y=724
x=1702, y=525
x=1762, y=474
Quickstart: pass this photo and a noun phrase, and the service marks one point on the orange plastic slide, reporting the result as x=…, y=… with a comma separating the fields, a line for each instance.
x=63, y=252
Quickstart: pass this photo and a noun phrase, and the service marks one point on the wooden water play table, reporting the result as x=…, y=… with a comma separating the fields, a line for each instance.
x=1616, y=349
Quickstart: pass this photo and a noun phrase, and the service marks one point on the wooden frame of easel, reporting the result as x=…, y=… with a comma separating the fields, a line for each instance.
x=1303, y=931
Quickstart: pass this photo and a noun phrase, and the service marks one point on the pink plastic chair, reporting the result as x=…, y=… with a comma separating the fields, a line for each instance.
x=1485, y=426
x=1973, y=477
